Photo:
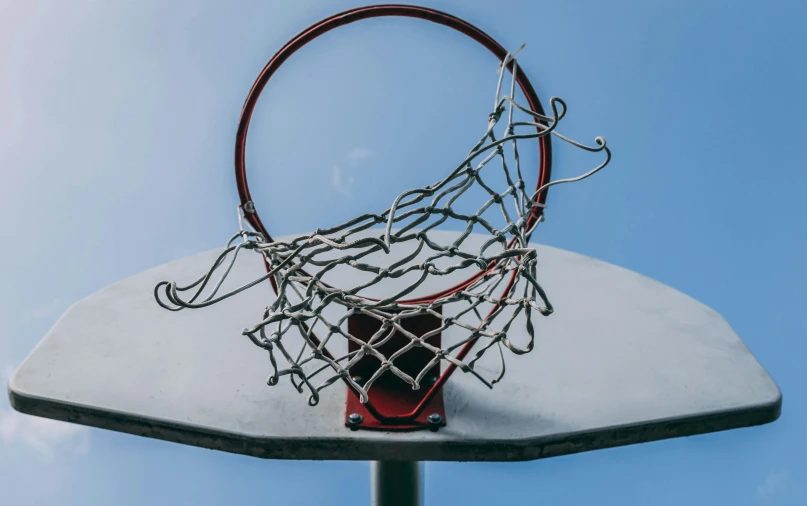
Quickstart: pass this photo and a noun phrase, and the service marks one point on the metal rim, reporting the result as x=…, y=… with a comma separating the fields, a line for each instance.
x=367, y=12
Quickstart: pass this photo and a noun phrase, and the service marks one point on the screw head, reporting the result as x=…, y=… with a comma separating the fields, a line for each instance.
x=354, y=419
x=435, y=420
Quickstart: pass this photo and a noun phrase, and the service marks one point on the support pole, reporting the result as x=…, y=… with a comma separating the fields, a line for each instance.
x=396, y=483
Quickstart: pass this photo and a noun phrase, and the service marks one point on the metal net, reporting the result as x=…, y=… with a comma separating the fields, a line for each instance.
x=400, y=247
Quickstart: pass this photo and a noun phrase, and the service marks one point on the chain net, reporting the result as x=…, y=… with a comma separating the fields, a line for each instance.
x=295, y=328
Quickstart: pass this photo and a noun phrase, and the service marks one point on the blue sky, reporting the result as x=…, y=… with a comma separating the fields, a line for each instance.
x=117, y=123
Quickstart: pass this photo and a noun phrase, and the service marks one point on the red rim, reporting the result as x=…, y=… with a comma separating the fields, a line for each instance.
x=344, y=18
x=374, y=11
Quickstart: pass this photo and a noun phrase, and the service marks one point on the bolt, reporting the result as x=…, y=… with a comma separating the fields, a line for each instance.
x=357, y=379
x=354, y=419
x=435, y=420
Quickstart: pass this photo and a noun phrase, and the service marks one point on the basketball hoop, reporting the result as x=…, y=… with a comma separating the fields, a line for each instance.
x=394, y=342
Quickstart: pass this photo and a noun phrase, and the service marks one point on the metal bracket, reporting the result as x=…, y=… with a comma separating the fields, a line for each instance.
x=390, y=396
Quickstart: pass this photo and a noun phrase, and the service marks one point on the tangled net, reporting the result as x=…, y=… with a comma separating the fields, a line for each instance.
x=502, y=283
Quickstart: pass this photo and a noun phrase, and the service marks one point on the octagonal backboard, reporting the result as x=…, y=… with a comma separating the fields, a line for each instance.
x=623, y=360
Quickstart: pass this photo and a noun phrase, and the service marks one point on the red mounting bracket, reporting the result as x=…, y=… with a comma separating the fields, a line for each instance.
x=390, y=397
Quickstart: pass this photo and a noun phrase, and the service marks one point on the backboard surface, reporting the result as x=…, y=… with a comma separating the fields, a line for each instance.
x=623, y=360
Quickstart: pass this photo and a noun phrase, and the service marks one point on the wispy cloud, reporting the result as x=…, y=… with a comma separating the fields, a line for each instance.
x=357, y=154
x=40, y=434
x=341, y=182
x=775, y=484
x=342, y=178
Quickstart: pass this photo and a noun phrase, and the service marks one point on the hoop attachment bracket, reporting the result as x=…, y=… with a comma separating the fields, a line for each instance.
x=391, y=397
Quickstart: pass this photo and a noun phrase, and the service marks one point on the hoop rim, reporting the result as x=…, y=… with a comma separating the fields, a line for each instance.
x=368, y=12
